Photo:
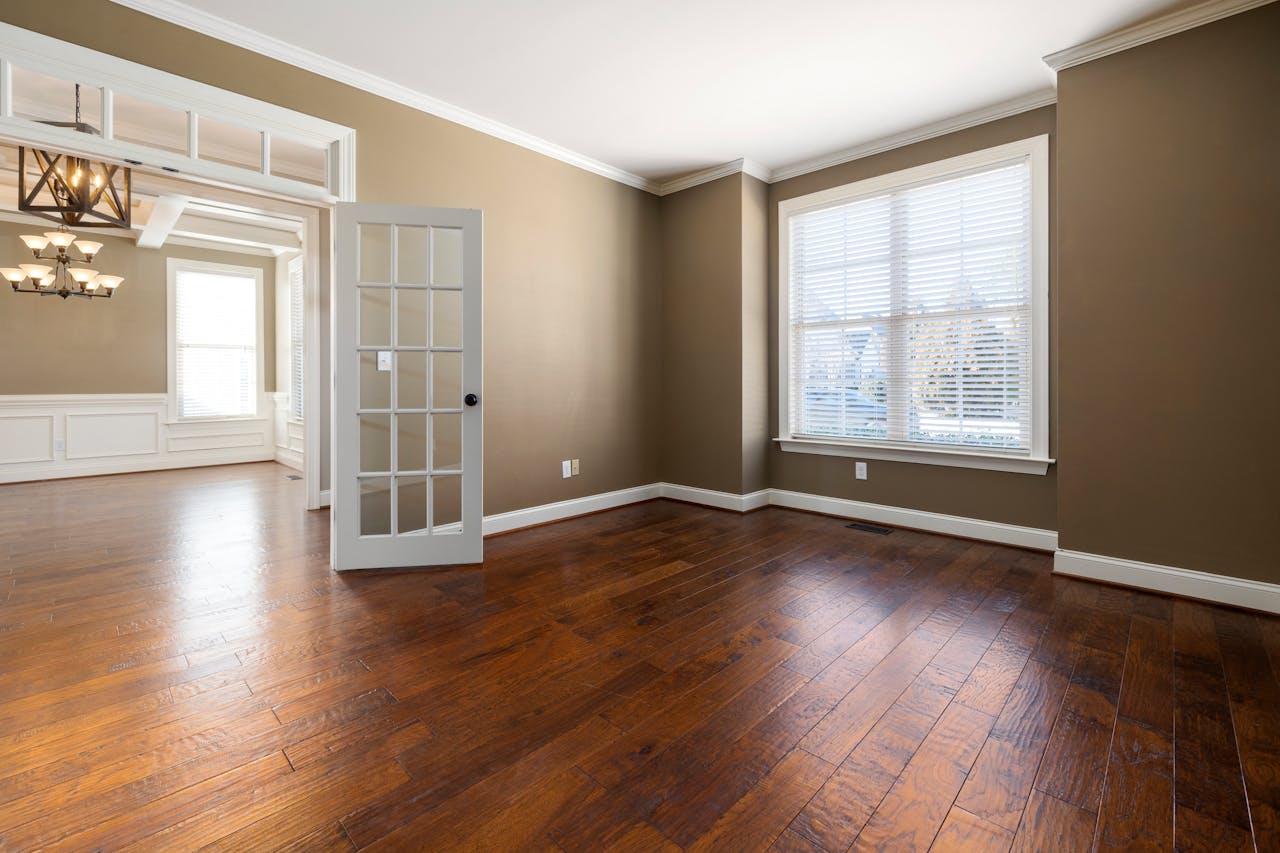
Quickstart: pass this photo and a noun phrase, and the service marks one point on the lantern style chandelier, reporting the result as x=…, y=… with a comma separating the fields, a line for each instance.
x=73, y=191
x=62, y=278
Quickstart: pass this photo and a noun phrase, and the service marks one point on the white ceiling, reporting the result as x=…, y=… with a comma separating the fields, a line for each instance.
x=666, y=87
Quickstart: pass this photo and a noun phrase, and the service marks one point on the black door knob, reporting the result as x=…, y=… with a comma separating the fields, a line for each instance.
x=471, y=399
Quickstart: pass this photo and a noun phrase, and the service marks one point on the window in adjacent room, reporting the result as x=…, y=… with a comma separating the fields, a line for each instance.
x=215, y=334
x=296, y=337
x=914, y=313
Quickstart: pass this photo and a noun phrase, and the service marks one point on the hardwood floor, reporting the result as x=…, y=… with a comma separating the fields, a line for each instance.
x=179, y=668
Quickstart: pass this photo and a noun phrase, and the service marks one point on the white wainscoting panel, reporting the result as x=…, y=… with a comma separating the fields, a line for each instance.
x=95, y=435
x=52, y=436
x=26, y=438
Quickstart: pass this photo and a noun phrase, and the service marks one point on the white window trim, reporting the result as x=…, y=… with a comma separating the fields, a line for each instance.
x=1038, y=460
x=176, y=265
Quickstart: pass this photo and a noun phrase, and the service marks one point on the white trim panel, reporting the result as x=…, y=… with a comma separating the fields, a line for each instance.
x=80, y=435
x=1157, y=28
x=1237, y=592
x=921, y=455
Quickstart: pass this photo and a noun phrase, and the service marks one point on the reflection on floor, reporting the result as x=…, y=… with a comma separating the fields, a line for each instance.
x=180, y=667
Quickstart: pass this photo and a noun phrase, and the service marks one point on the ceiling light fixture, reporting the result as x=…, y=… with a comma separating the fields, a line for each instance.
x=74, y=191
x=62, y=278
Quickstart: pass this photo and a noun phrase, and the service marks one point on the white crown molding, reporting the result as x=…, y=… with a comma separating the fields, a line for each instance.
x=1157, y=28
x=712, y=173
x=1237, y=592
x=241, y=36
x=1001, y=110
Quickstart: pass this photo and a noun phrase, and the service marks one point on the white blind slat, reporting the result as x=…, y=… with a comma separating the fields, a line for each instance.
x=295, y=339
x=911, y=314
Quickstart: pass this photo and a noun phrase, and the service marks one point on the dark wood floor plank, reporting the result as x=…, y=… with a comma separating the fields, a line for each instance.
x=1208, y=786
x=185, y=671
x=1255, y=709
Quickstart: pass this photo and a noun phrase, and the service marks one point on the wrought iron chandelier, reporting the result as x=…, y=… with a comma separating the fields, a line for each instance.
x=82, y=193
x=74, y=191
x=62, y=279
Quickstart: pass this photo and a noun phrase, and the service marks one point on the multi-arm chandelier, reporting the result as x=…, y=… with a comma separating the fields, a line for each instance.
x=72, y=191
x=62, y=278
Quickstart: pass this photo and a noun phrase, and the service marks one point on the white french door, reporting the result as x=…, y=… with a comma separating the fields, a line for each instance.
x=407, y=373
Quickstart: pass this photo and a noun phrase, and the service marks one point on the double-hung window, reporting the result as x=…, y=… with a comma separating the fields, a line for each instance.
x=914, y=314
x=215, y=334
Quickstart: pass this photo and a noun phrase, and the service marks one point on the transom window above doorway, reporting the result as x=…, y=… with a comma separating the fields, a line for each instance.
x=149, y=118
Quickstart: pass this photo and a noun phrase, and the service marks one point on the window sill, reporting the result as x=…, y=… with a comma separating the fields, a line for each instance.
x=920, y=455
x=215, y=420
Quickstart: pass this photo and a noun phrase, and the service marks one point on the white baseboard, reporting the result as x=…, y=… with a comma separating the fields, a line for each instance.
x=289, y=458
x=326, y=498
x=1238, y=592
x=505, y=521
x=719, y=500
x=934, y=522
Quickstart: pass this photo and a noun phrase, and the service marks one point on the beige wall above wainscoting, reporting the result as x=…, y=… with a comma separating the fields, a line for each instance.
x=103, y=346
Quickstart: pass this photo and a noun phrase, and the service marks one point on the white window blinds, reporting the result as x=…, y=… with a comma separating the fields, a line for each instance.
x=215, y=341
x=295, y=339
x=911, y=313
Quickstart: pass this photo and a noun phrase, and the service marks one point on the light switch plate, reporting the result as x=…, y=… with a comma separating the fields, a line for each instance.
x=384, y=361
x=860, y=470
x=566, y=469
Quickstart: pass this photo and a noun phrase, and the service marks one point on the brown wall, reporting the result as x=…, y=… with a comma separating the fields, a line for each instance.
x=1169, y=201
x=572, y=293
x=1024, y=499
x=756, y=439
x=104, y=346
x=702, y=336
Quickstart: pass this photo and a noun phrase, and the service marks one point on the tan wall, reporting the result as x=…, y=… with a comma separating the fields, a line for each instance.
x=756, y=439
x=1169, y=170
x=702, y=336
x=572, y=293
x=104, y=346
x=1023, y=499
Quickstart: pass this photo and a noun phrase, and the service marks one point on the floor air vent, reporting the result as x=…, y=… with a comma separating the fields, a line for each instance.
x=870, y=528
x=293, y=476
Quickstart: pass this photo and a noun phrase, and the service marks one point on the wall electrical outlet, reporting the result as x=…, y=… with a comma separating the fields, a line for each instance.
x=60, y=444
x=860, y=470
x=575, y=466
x=566, y=469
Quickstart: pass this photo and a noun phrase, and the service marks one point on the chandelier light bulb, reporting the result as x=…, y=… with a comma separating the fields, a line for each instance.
x=91, y=285
x=48, y=281
x=82, y=275
x=88, y=248
x=13, y=274
x=60, y=239
x=110, y=282
x=35, y=242
x=36, y=271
